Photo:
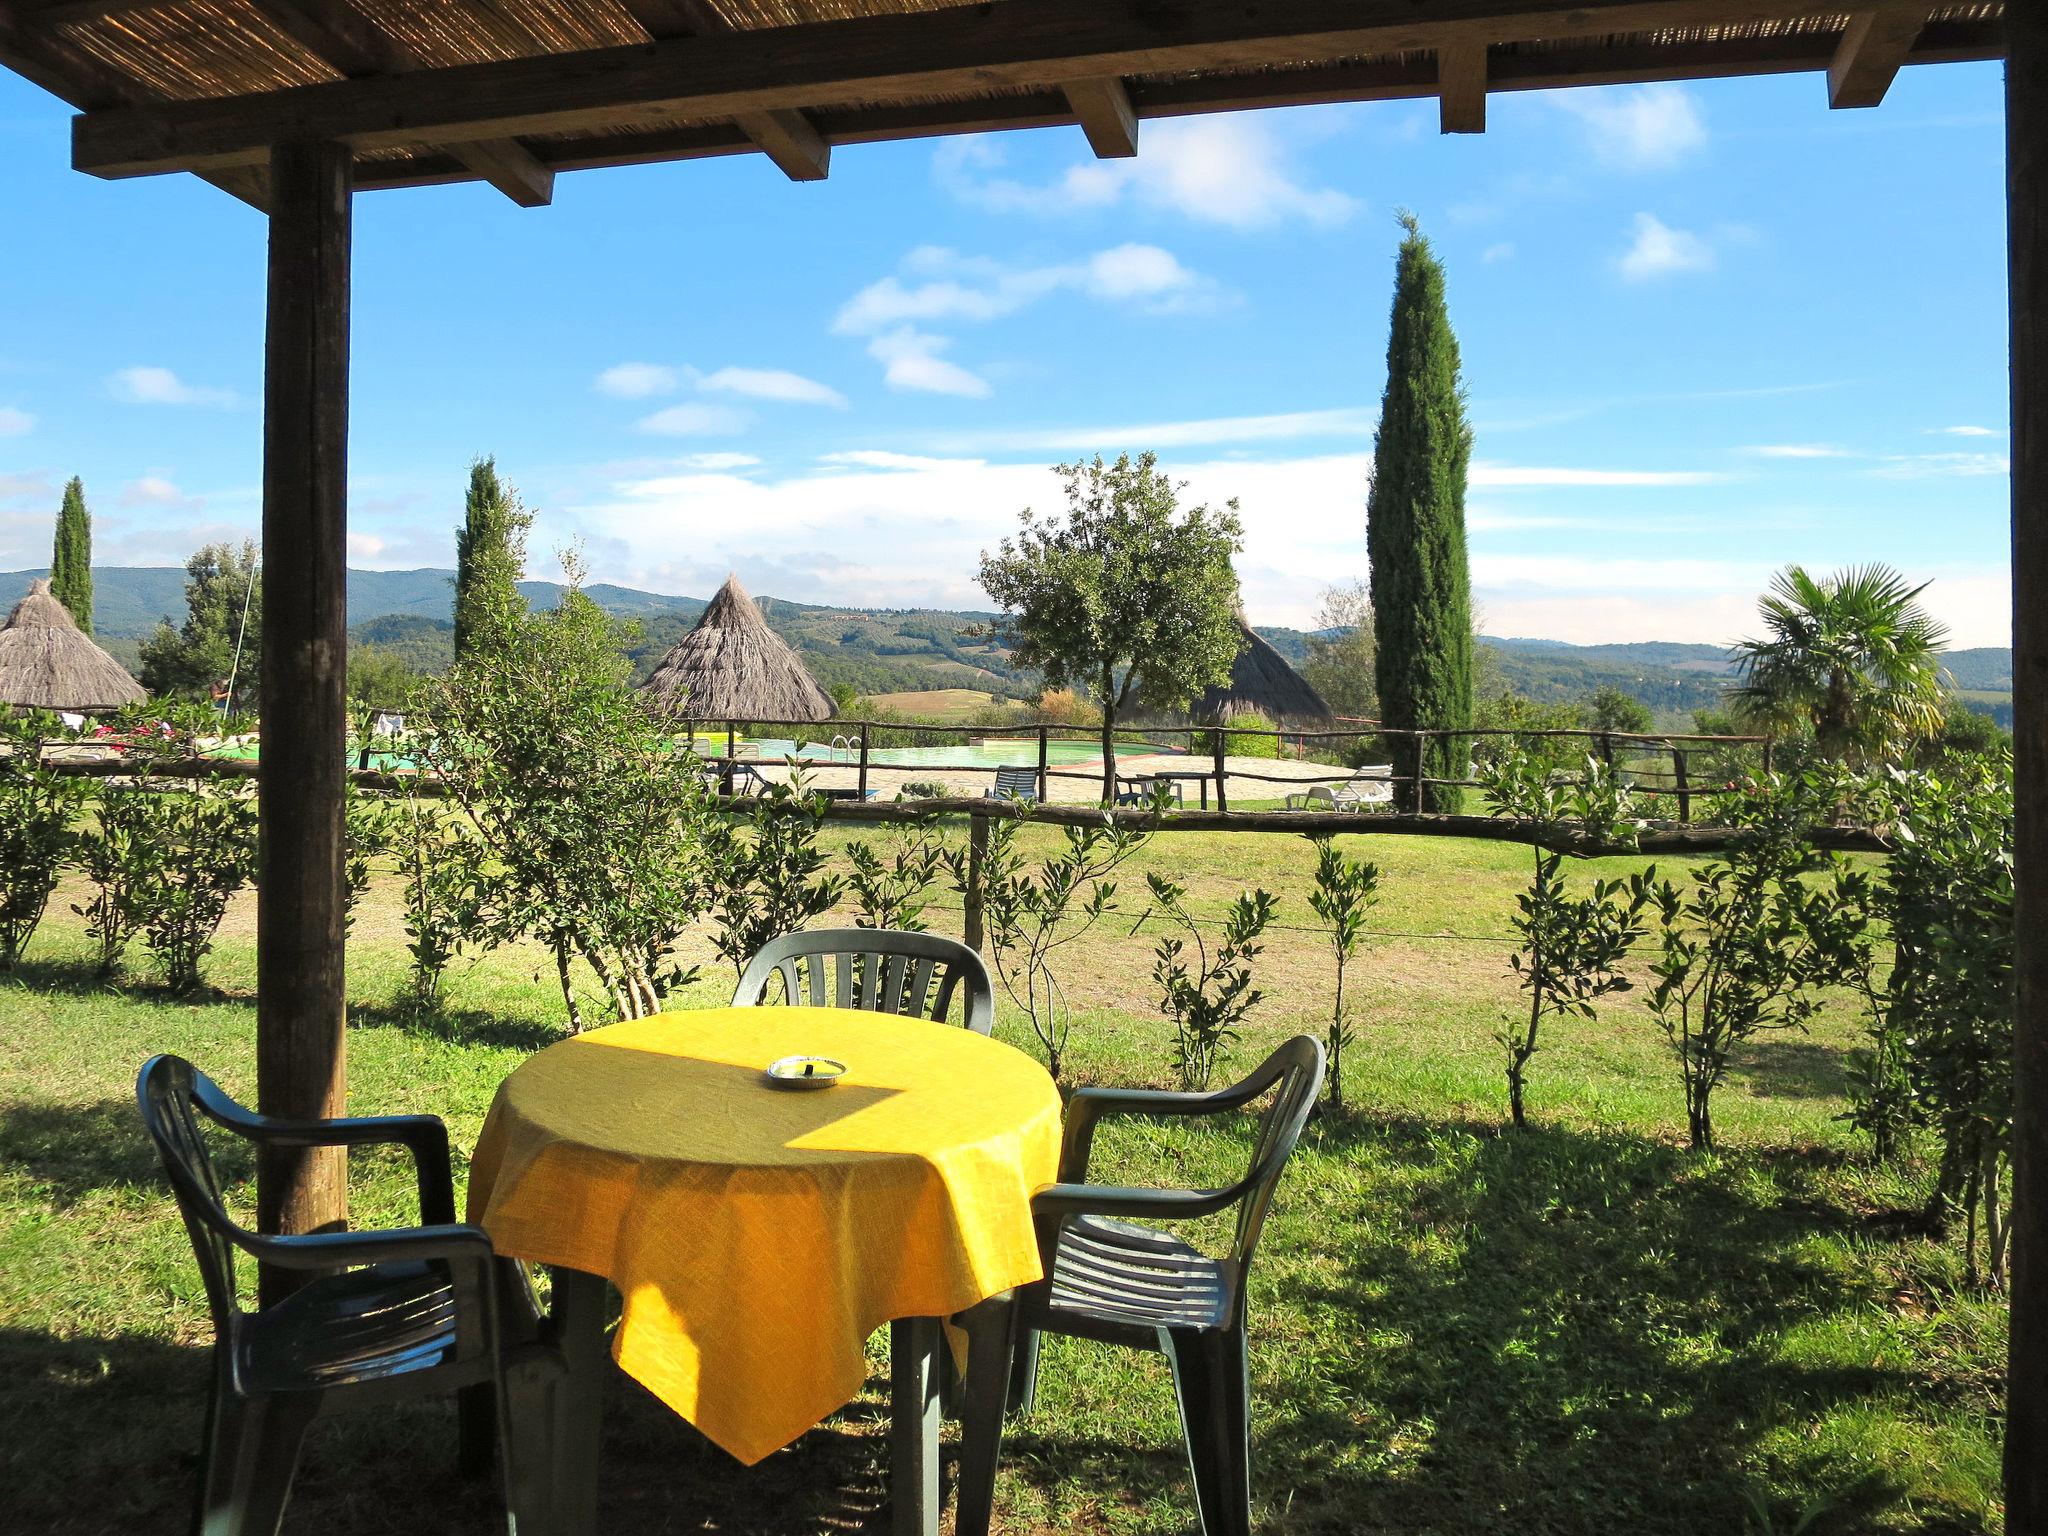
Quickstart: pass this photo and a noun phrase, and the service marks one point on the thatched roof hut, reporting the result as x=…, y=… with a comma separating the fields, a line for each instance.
x=1262, y=682
x=732, y=666
x=48, y=662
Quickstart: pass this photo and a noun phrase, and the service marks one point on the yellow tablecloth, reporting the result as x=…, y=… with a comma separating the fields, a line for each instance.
x=759, y=1235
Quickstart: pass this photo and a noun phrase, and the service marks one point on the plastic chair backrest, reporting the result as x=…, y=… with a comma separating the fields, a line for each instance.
x=879, y=970
x=1297, y=1070
x=172, y=1094
x=1016, y=783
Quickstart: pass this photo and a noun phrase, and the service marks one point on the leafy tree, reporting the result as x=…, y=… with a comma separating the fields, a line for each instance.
x=1572, y=947
x=1852, y=657
x=113, y=854
x=593, y=826
x=71, y=555
x=36, y=809
x=1207, y=995
x=1343, y=653
x=844, y=696
x=768, y=870
x=381, y=679
x=1033, y=914
x=1609, y=709
x=1346, y=890
x=199, y=850
x=223, y=589
x=490, y=551
x=1128, y=597
x=1415, y=534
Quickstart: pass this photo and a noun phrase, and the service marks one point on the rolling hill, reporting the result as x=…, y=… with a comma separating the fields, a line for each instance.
x=901, y=650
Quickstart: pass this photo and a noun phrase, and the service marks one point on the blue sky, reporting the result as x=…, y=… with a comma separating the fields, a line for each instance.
x=1707, y=329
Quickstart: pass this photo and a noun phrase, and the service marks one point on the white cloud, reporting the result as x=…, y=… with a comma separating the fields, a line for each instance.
x=1922, y=466
x=1348, y=422
x=635, y=381
x=1798, y=451
x=364, y=547
x=160, y=386
x=695, y=421
x=719, y=461
x=1510, y=476
x=1230, y=170
x=15, y=422
x=773, y=384
x=1503, y=250
x=978, y=288
x=156, y=491
x=1637, y=127
x=1968, y=432
x=1659, y=250
x=25, y=487
x=879, y=458
x=910, y=360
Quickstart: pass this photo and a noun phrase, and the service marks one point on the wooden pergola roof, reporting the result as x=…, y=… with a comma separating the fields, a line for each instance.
x=514, y=91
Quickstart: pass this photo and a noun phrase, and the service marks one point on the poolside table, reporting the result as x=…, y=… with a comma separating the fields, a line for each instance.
x=1177, y=776
x=758, y=1234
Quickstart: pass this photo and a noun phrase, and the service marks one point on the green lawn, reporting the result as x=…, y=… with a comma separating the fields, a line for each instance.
x=1579, y=1329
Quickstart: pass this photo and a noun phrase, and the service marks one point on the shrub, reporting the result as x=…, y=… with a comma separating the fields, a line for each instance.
x=198, y=850
x=1572, y=947
x=113, y=854
x=892, y=880
x=766, y=870
x=1206, y=995
x=1345, y=891
x=37, y=805
x=1240, y=740
x=1032, y=914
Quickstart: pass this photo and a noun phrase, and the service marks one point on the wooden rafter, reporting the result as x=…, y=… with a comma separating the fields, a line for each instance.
x=1876, y=44
x=784, y=135
x=1106, y=116
x=960, y=51
x=1461, y=86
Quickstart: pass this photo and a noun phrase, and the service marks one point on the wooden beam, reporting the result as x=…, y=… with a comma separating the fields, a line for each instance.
x=1874, y=46
x=355, y=47
x=1107, y=116
x=2026, y=119
x=1461, y=87
x=300, y=909
x=955, y=50
x=785, y=135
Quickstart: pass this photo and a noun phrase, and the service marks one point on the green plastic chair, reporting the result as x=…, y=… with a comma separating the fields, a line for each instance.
x=881, y=970
x=389, y=1315
x=1112, y=1278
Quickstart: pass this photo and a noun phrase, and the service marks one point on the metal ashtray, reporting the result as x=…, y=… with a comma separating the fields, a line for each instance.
x=805, y=1072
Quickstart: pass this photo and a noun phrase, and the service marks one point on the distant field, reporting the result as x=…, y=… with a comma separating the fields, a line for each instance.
x=935, y=703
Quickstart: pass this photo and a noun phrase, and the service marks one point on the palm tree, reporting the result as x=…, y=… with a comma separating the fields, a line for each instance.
x=1854, y=656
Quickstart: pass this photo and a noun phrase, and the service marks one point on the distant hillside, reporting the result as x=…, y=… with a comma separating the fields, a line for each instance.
x=903, y=650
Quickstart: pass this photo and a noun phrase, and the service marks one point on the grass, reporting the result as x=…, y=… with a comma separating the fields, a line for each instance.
x=1583, y=1328
x=939, y=706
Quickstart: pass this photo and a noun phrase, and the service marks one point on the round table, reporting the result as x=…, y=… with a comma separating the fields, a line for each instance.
x=758, y=1234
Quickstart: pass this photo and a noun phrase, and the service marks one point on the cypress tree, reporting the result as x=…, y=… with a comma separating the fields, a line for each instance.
x=490, y=552
x=71, y=556
x=1415, y=533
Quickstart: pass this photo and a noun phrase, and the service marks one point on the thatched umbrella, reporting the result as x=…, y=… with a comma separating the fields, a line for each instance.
x=732, y=666
x=1262, y=682
x=48, y=662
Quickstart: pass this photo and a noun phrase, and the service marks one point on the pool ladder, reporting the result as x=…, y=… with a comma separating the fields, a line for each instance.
x=850, y=745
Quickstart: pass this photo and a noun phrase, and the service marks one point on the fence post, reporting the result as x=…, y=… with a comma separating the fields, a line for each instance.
x=977, y=852
x=1222, y=778
x=1043, y=754
x=863, y=763
x=1767, y=757
x=1607, y=752
x=1684, y=788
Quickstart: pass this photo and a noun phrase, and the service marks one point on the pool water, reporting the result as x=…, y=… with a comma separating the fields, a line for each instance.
x=1022, y=752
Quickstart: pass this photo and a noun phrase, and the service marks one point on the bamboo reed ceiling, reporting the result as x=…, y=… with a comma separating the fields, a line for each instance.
x=511, y=91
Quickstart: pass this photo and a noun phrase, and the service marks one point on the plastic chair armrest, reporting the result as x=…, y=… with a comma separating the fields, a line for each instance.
x=453, y=1243
x=1058, y=1201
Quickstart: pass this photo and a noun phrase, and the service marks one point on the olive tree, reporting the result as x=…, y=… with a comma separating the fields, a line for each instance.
x=1128, y=596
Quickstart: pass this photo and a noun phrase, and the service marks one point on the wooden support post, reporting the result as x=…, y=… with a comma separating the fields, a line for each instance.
x=300, y=1004
x=863, y=785
x=1681, y=783
x=2026, y=118
x=1044, y=758
x=1216, y=756
x=973, y=933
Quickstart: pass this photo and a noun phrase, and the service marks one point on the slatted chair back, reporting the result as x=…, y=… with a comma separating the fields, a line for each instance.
x=880, y=970
x=172, y=1095
x=1295, y=1073
x=1014, y=783
x=1367, y=786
